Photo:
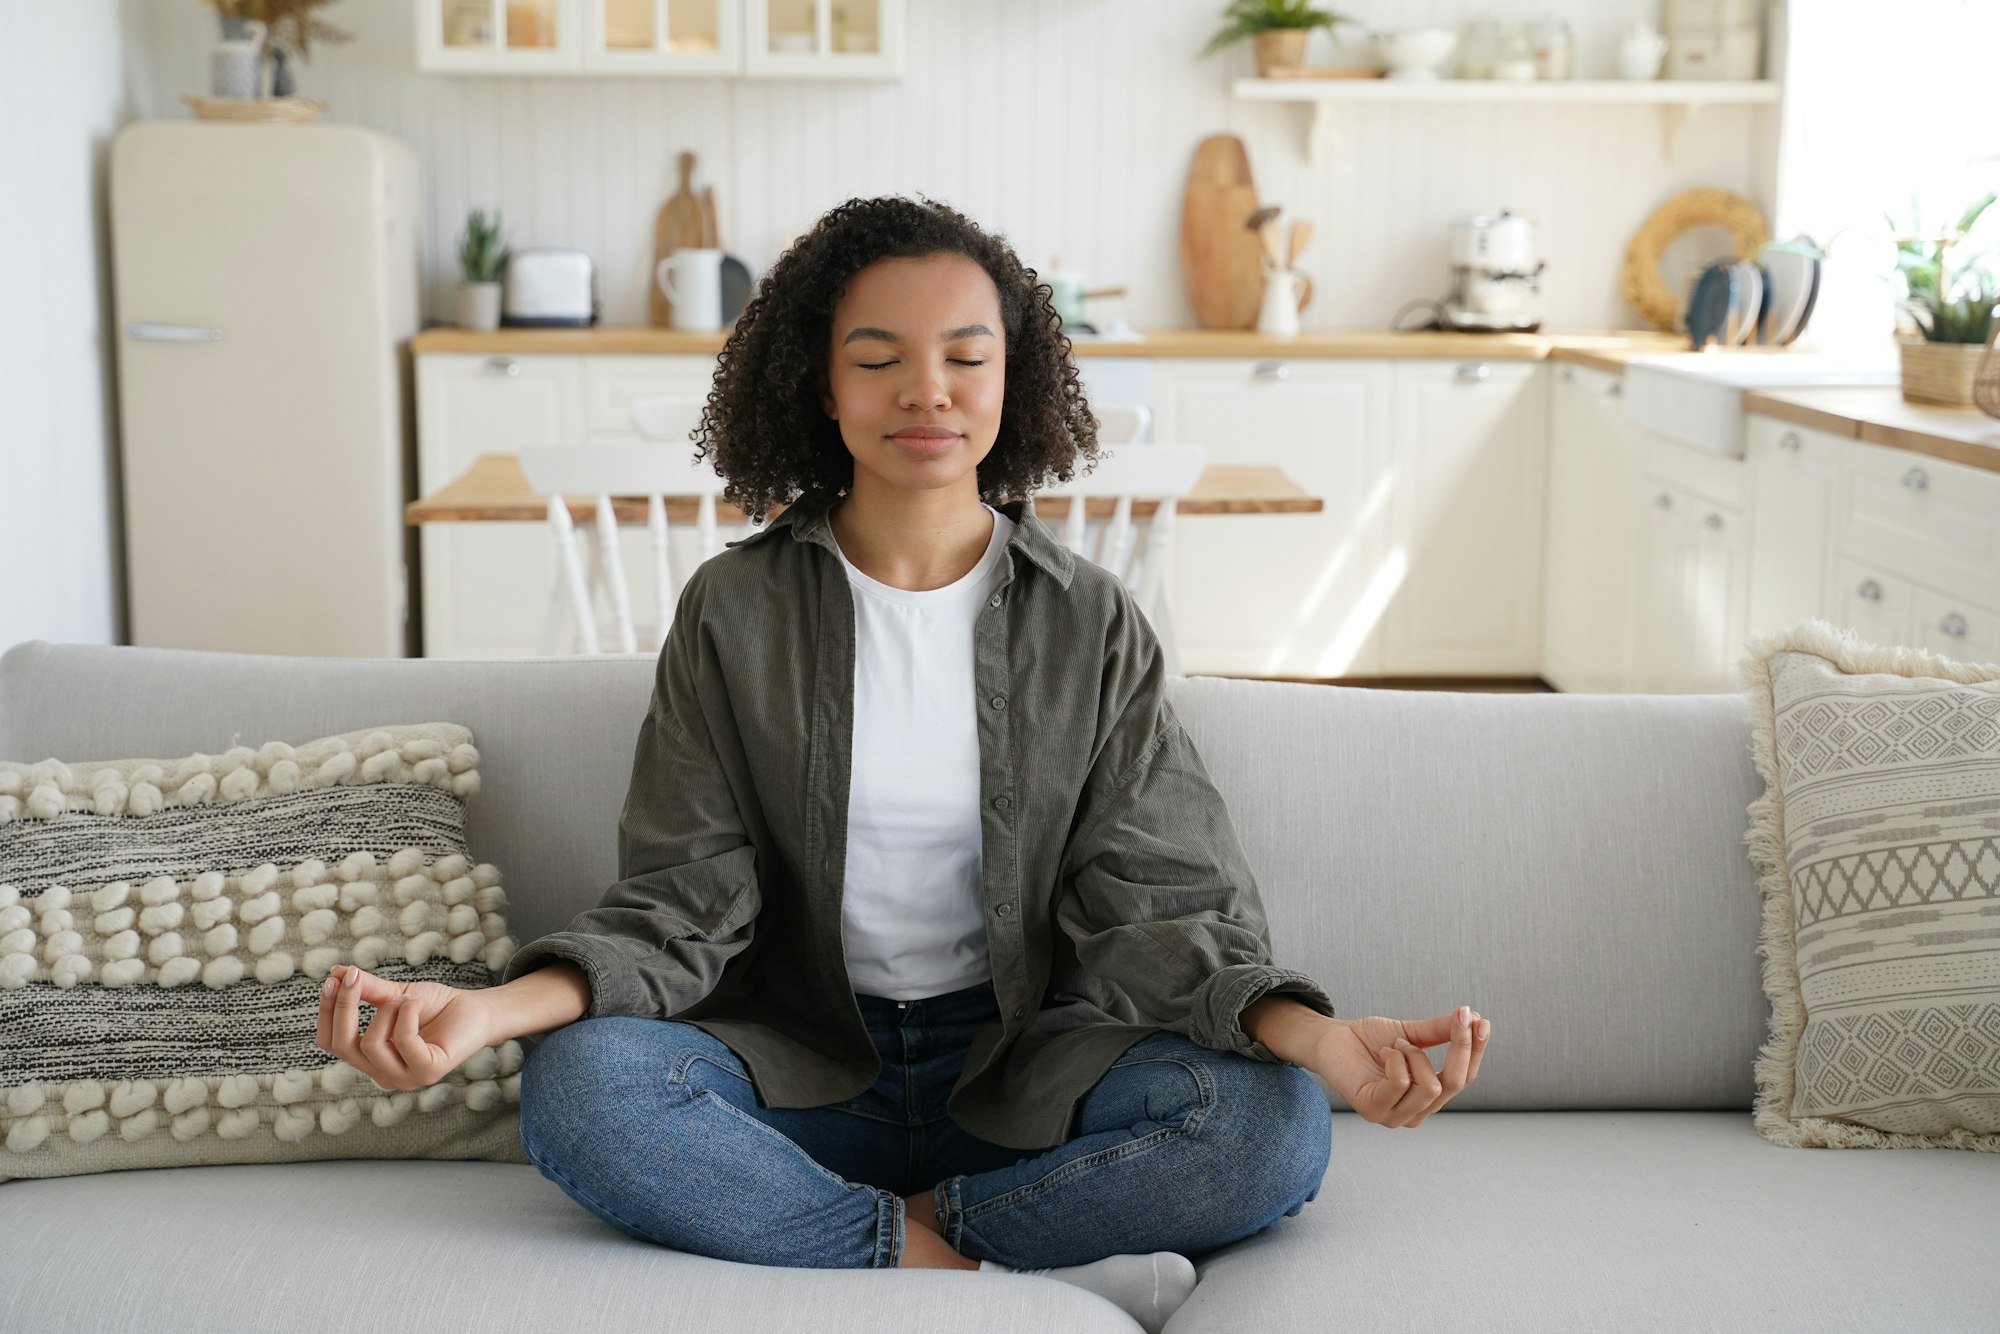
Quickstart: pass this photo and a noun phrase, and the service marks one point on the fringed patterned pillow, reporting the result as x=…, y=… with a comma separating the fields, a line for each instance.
x=1878, y=843
x=165, y=925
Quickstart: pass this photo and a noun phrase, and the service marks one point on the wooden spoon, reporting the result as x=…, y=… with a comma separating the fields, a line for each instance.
x=1301, y=237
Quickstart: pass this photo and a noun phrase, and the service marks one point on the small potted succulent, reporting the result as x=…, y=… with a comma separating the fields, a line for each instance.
x=1947, y=312
x=1277, y=28
x=482, y=255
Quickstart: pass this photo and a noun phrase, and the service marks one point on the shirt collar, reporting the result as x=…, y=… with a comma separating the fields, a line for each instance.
x=807, y=520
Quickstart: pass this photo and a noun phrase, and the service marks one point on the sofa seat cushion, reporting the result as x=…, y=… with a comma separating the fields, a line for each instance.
x=1546, y=1222
x=366, y=1245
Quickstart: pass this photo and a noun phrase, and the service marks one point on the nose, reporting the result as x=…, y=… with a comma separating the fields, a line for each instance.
x=925, y=390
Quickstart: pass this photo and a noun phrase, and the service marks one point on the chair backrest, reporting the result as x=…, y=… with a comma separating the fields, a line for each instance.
x=1164, y=472
x=651, y=470
x=1121, y=423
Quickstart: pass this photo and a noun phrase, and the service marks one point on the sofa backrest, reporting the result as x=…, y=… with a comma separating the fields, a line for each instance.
x=1572, y=866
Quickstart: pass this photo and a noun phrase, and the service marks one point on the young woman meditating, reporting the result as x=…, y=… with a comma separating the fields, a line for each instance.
x=933, y=943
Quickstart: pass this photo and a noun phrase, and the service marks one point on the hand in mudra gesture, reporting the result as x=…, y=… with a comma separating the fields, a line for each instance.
x=420, y=1033
x=1380, y=1066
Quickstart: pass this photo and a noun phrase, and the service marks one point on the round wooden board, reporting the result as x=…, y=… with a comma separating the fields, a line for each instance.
x=1222, y=262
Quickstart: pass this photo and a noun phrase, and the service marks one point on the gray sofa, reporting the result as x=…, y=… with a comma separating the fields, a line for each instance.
x=1570, y=865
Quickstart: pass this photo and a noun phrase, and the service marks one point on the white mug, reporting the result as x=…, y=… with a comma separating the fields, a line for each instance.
x=692, y=280
x=1640, y=53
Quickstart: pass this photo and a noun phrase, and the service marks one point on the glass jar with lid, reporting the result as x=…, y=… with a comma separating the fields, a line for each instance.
x=1554, y=48
x=1478, y=44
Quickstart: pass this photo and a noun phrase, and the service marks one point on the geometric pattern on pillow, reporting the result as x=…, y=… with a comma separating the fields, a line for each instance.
x=165, y=925
x=1877, y=843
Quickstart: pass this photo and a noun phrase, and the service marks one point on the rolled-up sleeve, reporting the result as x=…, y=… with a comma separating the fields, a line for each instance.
x=687, y=896
x=1158, y=897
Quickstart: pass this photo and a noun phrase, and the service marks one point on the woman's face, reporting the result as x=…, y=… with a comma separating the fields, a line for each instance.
x=916, y=372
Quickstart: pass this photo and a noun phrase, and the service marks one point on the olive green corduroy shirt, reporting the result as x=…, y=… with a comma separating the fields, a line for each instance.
x=1119, y=902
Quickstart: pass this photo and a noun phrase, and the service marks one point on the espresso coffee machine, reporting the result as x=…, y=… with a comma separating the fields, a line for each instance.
x=1496, y=276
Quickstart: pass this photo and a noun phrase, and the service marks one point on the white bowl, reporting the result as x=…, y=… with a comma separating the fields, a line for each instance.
x=1414, y=53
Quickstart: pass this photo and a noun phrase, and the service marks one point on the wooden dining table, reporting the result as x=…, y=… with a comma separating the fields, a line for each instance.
x=494, y=489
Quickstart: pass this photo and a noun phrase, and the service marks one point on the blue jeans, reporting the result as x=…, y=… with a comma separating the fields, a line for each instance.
x=655, y=1127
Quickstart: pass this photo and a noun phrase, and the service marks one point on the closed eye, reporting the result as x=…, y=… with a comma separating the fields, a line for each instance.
x=878, y=365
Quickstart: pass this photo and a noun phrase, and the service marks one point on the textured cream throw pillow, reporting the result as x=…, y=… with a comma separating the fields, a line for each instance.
x=1878, y=843
x=165, y=925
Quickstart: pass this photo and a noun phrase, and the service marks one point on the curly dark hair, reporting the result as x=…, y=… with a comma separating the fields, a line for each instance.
x=763, y=424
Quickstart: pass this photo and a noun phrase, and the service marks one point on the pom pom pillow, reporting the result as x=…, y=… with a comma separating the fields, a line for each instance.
x=1877, y=841
x=165, y=925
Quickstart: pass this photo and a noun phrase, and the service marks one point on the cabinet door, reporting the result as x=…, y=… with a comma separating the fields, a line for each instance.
x=1593, y=481
x=663, y=36
x=500, y=36
x=486, y=585
x=1791, y=475
x=1873, y=603
x=819, y=39
x=1282, y=594
x=1469, y=453
x=1657, y=653
x=1960, y=630
x=1716, y=548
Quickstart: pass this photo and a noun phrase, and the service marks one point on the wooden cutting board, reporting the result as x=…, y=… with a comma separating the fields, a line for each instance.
x=1222, y=261
x=682, y=223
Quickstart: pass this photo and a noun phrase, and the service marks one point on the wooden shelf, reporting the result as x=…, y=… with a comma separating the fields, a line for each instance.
x=1678, y=99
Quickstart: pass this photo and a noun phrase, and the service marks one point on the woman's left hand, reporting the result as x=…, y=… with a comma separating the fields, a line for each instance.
x=1380, y=1066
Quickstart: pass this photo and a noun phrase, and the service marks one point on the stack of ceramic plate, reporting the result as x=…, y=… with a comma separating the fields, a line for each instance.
x=1767, y=300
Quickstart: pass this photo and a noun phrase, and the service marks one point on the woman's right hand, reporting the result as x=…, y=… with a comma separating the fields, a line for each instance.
x=420, y=1033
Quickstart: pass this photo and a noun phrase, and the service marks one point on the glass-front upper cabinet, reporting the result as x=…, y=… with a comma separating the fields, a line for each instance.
x=767, y=38
x=823, y=38
x=496, y=36
x=664, y=36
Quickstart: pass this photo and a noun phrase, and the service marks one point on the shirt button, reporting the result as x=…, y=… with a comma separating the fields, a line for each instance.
x=993, y=601
x=999, y=701
x=1002, y=802
x=1018, y=1012
x=1004, y=909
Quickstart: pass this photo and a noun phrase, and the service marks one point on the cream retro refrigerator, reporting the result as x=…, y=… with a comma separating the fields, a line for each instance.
x=265, y=281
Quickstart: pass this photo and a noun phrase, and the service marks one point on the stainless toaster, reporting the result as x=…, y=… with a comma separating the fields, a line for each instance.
x=548, y=286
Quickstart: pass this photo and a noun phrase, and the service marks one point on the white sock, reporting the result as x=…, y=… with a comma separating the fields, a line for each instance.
x=1149, y=1288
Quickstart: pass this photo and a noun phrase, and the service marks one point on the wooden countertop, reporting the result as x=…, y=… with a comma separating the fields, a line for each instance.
x=1604, y=348
x=493, y=489
x=1880, y=415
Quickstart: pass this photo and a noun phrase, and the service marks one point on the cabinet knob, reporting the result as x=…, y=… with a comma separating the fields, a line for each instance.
x=1616, y=389
x=1953, y=624
x=1568, y=375
x=503, y=365
x=1711, y=520
x=1916, y=479
x=1664, y=500
x=1869, y=591
x=1271, y=370
x=1474, y=371
x=1790, y=440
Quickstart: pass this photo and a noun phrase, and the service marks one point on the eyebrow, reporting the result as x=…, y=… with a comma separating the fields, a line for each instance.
x=883, y=335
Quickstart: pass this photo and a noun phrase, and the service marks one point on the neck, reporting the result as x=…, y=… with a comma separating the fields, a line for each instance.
x=916, y=540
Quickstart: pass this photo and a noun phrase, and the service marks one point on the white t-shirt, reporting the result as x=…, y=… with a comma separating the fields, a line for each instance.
x=913, y=919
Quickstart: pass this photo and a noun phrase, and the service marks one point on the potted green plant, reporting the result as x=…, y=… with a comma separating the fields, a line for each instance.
x=481, y=257
x=1277, y=28
x=1947, y=311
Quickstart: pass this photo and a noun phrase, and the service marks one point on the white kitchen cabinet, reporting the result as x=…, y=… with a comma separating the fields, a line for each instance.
x=1463, y=574
x=1790, y=479
x=1691, y=575
x=1932, y=521
x=1960, y=630
x=1593, y=492
x=1285, y=594
x=762, y=38
x=486, y=585
x=1873, y=603
x=818, y=39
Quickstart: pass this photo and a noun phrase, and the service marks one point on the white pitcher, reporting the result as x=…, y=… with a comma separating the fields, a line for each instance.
x=692, y=280
x=1283, y=289
x=1640, y=52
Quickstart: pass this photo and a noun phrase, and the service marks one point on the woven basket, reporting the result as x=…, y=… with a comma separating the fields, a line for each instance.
x=1939, y=372
x=272, y=110
x=1279, y=48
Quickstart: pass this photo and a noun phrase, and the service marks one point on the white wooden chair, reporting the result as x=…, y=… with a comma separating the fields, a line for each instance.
x=1152, y=471
x=663, y=466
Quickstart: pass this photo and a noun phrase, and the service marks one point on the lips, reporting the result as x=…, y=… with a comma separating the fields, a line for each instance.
x=924, y=433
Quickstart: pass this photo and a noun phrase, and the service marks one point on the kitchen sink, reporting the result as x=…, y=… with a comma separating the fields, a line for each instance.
x=1696, y=398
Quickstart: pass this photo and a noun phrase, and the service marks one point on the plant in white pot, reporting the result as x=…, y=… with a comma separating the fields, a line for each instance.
x=1947, y=310
x=1277, y=28
x=482, y=255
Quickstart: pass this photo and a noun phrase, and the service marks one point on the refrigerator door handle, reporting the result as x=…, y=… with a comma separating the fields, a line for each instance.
x=140, y=332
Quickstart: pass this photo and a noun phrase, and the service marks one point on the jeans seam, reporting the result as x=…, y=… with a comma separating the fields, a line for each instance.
x=1076, y=1167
